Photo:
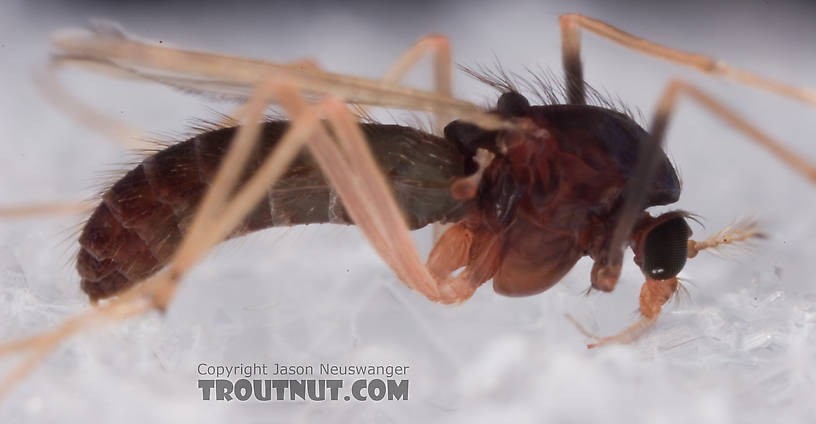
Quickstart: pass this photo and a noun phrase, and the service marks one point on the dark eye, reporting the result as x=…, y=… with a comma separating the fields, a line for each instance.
x=665, y=249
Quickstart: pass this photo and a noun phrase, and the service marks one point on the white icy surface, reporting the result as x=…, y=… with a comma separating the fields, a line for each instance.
x=741, y=348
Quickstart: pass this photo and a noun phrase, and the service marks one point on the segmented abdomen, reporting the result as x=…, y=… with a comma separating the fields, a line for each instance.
x=143, y=216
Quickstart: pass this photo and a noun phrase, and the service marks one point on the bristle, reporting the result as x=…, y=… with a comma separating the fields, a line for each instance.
x=545, y=86
x=156, y=142
x=494, y=76
x=682, y=294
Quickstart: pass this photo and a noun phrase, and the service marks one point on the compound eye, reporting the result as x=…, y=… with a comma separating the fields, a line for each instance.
x=665, y=249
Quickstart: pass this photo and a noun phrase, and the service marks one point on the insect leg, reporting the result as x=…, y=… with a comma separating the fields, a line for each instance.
x=571, y=58
x=39, y=346
x=214, y=221
x=127, y=135
x=63, y=208
x=636, y=190
x=218, y=214
x=773, y=146
x=354, y=174
x=572, y=63
x=653, y=295
x=466, y=187
x=439, y=46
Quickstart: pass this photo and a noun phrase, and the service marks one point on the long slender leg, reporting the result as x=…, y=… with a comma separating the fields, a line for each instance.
x=112, y=128
x=156, y=291
x=571, y=58
x=127, y=135
x=218, y=214
x=607, y=270
x=355, y=176
x=364, y=192
x=571, y=46
x=442, y=80
x=354, y=173
x=637, y=187
x=439, y=46
x=116, y=129
x=39, y=346
x=56, y=208
x=653, y=295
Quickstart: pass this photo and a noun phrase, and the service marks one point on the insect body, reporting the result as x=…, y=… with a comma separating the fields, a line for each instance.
x=529, y=189
x=551, y=195
x=142, y=217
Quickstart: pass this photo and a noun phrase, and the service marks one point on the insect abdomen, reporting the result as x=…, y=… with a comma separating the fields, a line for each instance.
x=143, y=216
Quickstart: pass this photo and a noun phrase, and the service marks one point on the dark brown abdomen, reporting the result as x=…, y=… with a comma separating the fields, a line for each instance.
x=143, y=216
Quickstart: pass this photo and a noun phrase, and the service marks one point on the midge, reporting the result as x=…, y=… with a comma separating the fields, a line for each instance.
x=527, y=189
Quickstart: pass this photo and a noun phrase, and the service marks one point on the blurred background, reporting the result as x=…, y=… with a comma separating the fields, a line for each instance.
x=740, y=348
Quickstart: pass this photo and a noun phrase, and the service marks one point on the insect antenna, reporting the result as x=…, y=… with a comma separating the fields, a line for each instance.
x=740, y=236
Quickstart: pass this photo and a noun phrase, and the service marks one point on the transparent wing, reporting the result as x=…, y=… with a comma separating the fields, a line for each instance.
x=106, y=47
